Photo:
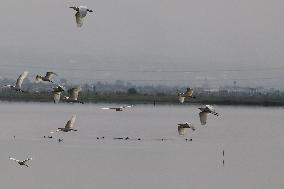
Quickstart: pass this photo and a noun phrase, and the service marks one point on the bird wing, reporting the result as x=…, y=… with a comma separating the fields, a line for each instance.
x=188, y=92
x=187, y=125
x=75, y=8
x=21, y=79
x=129, y=106
x=79, y=20
x=27, y=160
x=49, y=75
x=56, y=97
x=203, y=117
x=74, y=92
x=71, y=122
x=38, y=78
x=58, y=89
x=181, y=99
x=209, y=107
x=14, y=159
x=115, y=108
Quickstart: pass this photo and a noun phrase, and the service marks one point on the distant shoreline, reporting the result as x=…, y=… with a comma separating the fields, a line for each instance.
x=151, y=99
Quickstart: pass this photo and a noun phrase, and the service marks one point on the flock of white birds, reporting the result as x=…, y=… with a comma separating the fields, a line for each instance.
x=207, y=109
x=81, y=12
x=56, y=91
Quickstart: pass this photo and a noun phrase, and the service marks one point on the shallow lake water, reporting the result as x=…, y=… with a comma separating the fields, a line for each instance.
x=251, y=137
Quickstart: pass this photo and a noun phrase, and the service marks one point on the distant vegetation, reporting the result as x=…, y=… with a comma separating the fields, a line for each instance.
x=127, y=93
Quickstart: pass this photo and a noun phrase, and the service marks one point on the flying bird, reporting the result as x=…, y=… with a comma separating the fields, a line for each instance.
x=47, y=77
x=183, y=126
x=57, y=93
x=118, y=109
x=18, y=86
x=24, y=162
x=187, y=94
x=81, y=12
x=69, y=125
x=73, y=95
x=204, y=113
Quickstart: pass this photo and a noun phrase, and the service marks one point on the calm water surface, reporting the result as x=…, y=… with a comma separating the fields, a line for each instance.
x=252, y=138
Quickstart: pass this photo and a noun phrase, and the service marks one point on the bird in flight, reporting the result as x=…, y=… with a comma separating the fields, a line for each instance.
x=18, y=86
x=187, y=94
x=118, y=109
x=81, y=12
x=204, y=113
x=57, y=93
x=73, y=95
x=47, y=77
x=24, y=162
x=69, y=125
x=183, y=126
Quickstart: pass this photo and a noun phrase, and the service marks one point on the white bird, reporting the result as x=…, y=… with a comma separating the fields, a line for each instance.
x=187, y=94
x=73, y=95
x=57, y=93
x=183, y=126
x=81, y=12
x=24, y=162
x=47, y=77
x=204, y=113
x=118, y=109
x=18, y=86
x=69, y=125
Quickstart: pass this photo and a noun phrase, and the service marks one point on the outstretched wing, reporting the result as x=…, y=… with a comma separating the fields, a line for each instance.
x=188, y=92
x=14, y=159
x=211, y=110
x=21, y=79
x=203, y=117
x=75, y=8
x=27, y=160
x=71, y=122
x=128, y=106
x=74, y=92
x=49, y=75
x=113, y=108
x=105, y=108
x=79, y=20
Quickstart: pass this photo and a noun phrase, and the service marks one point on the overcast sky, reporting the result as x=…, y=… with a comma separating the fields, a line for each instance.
x=136, y=40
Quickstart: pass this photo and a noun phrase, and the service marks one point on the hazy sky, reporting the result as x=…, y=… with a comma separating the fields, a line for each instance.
x=135, y=40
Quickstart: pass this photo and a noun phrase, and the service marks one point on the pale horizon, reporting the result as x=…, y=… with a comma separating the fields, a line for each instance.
x=173, y=43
